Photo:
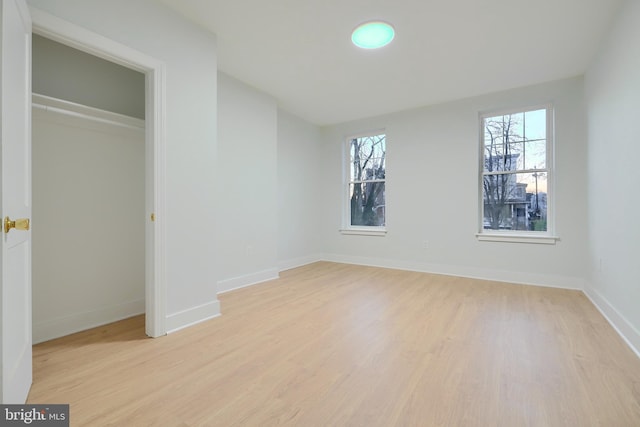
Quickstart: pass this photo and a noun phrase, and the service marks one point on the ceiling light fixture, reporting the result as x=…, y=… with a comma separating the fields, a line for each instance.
x=373, y=35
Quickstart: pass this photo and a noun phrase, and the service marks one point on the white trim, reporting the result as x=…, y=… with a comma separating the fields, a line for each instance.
x=620, y=324
x=84, y=112
x=192, y=316
x=369, y=231
x=234, y=283
x=548, y=236
x=347, y=228
x=515, y=277
x=298, y=262
x=56, y=29
x=67, y=33
x=517, y=238
x=71, y=324
x=155, y=140
x=517, y=108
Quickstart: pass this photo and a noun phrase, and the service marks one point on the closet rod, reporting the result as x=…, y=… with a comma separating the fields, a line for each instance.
x=71, y=109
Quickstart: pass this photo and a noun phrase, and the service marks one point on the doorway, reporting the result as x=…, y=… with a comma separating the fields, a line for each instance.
x=88, y=163
x=53, y=28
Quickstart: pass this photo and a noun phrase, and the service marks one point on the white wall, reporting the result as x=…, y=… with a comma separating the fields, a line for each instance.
x=299, y=194
x=247, y=180
x=66, y=73
x=432, y=192
x=613, y=106
x=189, y=53
x=88, y=221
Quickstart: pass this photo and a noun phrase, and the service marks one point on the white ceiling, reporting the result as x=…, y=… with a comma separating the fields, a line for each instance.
x=300, y=51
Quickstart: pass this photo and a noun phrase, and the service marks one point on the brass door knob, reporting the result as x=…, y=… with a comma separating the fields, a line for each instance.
x=18, y=224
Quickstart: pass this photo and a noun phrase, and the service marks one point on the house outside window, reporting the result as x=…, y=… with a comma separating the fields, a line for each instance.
x=516, y=173
x=365, y=184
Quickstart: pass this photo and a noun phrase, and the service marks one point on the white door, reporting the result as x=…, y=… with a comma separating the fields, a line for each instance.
x=15, y=203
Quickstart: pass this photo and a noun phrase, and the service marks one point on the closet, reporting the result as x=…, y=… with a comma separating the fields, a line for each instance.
x=88, y=144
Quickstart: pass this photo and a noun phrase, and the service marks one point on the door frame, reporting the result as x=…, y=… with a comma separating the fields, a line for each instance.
x=64, y=32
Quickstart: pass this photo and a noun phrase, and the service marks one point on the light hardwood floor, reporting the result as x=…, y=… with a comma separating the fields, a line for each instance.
x=339, y=345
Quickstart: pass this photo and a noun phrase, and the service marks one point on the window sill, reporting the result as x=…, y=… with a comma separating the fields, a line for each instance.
x=369, y=231
x=517, y=238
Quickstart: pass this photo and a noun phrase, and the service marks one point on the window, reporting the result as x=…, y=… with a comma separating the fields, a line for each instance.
x=365, y=184
x=516, y=174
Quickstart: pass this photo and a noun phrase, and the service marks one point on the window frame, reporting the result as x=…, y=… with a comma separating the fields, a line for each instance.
x=347, y=228
x=519, y=236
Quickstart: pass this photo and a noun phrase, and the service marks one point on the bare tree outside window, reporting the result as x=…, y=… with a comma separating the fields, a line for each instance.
x=367, y=180
x=514, y=176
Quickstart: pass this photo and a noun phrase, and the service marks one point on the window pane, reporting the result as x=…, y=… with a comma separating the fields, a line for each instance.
x=509, y=128
x=367, y=157
x=535, y=124
x=503, y=158
x=493, y=133
x=503, y=149
x=517, y=155
x=367, y=203
x=516, y=201
x=536, y=154
x=514, y=127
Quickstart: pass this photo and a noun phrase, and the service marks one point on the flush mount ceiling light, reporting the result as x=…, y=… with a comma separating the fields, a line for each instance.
x=373, y=35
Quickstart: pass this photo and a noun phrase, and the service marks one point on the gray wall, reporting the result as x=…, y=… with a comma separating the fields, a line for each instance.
x=432, y=192
x=63, y=72
x=299, y=191
x=247, y=177
x=613, y=94
x=268, y=175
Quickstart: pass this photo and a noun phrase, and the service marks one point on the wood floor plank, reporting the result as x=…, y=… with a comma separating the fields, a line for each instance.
x=342, y=345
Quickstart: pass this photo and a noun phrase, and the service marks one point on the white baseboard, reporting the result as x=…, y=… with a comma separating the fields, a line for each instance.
x=621, y=325
x=298, y=262
x=521, y=278
x=60, y=327
x=192, y=316
x=247, y=280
